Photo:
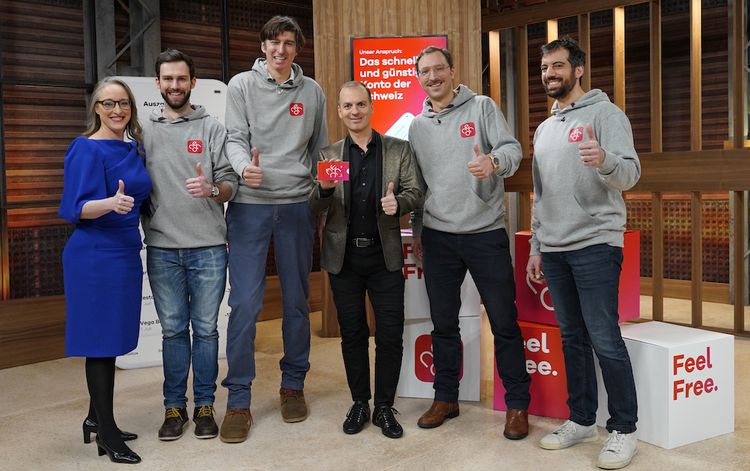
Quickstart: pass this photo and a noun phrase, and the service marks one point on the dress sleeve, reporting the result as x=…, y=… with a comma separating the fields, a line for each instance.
x=84, y=179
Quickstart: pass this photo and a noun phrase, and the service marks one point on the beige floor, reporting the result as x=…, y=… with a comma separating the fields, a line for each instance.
x=43, y=406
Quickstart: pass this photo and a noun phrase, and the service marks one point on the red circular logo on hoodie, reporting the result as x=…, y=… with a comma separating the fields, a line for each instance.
x=296, y=109
x=467, y=130
x=195, y=146
x=576, y=135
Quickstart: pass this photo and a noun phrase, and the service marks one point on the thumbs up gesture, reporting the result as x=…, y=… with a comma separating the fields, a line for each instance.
x=481, y=165
x=122, y=203
x=198, y=186
x=590, y=152
x=252, y=173
x=389, y=202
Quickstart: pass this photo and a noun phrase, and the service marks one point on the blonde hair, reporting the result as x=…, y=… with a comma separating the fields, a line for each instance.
x=133, y=129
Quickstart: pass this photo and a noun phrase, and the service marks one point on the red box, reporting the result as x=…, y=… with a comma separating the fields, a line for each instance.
x=546, y=366
x=424, y=367
x=533, y=300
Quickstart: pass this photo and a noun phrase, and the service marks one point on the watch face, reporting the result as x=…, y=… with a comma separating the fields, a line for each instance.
x=214, y=190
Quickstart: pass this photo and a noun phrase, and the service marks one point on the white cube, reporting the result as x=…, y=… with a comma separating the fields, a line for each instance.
x=684, y=381
x=417, y=370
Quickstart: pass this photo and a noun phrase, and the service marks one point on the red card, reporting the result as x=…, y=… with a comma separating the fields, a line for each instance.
x=338, y=171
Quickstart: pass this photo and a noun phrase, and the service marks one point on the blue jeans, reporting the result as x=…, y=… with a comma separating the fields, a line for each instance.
x=250, y=228
x=487, y=257
x=188, y=286
x=584, y=288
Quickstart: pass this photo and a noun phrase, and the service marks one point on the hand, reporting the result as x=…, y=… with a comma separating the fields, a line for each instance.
x=252, y=174
x=534, y=269
x=198, y=187
x=590, y=152
x=389, y=203
x=481, y=165
x=417, y=246
x=122, y=203
x=328, y=184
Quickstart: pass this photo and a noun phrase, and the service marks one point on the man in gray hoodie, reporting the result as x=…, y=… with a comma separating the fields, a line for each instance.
x=276, y=127
x=186, y=238
x=584, y=159
x=464, y=149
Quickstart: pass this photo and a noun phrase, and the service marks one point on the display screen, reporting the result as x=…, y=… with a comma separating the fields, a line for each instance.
x=387, y=66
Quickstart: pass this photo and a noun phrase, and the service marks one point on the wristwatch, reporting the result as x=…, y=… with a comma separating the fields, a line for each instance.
x=495, y=161
x=214, y=191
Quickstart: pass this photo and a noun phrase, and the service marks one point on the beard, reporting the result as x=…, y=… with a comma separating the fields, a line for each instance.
x=565, y=87
x=176, y=104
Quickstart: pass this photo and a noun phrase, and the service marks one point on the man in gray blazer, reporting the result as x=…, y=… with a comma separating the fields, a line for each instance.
x=362, y=253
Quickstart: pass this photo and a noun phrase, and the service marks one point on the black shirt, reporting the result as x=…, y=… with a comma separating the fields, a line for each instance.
x=363, y=169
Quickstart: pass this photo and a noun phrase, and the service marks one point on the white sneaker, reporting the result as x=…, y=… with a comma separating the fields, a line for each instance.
x=618, y=450
x=569, y=434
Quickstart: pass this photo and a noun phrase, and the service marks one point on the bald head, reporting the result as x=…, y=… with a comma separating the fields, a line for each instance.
x=353, y=84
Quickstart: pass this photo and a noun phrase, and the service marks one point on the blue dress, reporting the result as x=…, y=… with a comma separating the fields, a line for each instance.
x=101, y=262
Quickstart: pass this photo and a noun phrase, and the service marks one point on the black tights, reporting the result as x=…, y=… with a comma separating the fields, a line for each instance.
x=100, y=377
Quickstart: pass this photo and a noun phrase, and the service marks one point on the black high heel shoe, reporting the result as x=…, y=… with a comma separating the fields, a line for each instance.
x=128, y=457
x=89, y=427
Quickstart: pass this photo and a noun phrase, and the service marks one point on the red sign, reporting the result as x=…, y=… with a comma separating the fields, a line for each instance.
x=467, y=130
x=194, y=146
x=424, y=368
x=534, y=302
x=388, y=67
x=546, y=366
x=296, y=109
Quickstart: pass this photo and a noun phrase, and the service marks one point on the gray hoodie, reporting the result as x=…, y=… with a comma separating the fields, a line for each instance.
x=286, y=122
x=577, y=206
x=173, y=148
x=443, y=142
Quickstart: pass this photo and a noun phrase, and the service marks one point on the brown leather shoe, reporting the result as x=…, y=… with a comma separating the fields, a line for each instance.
x=293, y=405
x=516, y=424
x=437, y=413
x=236, y=425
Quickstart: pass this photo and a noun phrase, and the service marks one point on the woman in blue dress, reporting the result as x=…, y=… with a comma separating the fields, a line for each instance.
x=105, y=183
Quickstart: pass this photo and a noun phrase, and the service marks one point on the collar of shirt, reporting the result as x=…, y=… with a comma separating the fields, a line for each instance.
x=431, y=109
x=450, y=105
x=354, y=145
x=287, y=81
x=349, y=142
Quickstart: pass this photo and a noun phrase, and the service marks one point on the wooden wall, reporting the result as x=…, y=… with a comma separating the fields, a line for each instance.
x=686, y=213
x=336, y=21
x=42, y=92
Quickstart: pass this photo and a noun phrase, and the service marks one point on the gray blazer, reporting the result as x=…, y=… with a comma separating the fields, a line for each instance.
x=398, y=166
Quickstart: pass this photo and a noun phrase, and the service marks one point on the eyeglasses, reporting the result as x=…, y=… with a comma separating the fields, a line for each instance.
x=109, y=105
x=436, y=70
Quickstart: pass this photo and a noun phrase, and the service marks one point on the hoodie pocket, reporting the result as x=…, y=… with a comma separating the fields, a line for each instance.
x=484, y=189
x=563, y=220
